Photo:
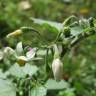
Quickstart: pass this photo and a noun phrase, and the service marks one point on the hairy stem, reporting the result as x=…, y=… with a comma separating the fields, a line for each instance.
x=77, y=39
x=82, y=36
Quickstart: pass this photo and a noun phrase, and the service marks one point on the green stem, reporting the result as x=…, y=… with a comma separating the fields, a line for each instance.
x=46, y=60
x=58, y=36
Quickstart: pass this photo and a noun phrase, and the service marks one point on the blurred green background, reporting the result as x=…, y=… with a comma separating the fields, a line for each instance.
x=16, y=13
x=80, y=63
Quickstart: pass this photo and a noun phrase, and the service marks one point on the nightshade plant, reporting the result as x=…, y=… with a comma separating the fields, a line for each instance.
x=38, y=71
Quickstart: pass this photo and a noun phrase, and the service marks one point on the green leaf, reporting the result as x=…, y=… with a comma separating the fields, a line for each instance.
x=38, y=91
x=41, y=53
x=17, y=71
x=50, y=28
x=94, y=22
x=56, y=25
x=47, y=29
x=68, y=93
x=2, y=75
x=7, y=88
x=76, y=30
x=21, y=72
x=79, y=86
x=30, y=69
x=54, y=85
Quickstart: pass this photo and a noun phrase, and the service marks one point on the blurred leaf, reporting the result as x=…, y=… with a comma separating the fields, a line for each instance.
x=7, y=88
x=70, y=94
x=76, y=30
x=41, y=53
x=66, y=93
x=55, y=25
x=17, y=71
x=94, y=22
x=48, y=27
x=79, y=87
x=54, y=85
x=38, y=91
x=2, y=75
x=30, y=69
x=21, y=72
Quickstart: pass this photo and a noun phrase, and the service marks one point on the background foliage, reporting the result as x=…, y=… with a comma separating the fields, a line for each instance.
x=79, y=63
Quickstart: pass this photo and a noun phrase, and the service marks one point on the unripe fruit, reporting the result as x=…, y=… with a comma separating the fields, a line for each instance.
x=57, y=68
x=21, y=62
x=67, y=32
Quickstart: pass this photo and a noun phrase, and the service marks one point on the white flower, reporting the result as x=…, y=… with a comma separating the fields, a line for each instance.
x=1, y=55
x=31, y=53
x=57, y=68
x=22, y=60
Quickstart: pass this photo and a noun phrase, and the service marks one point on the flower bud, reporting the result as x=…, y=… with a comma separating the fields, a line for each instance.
x=15, y=33
x=67, y=32
x=8, y=51
x=9, y=54
x=57, y=68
